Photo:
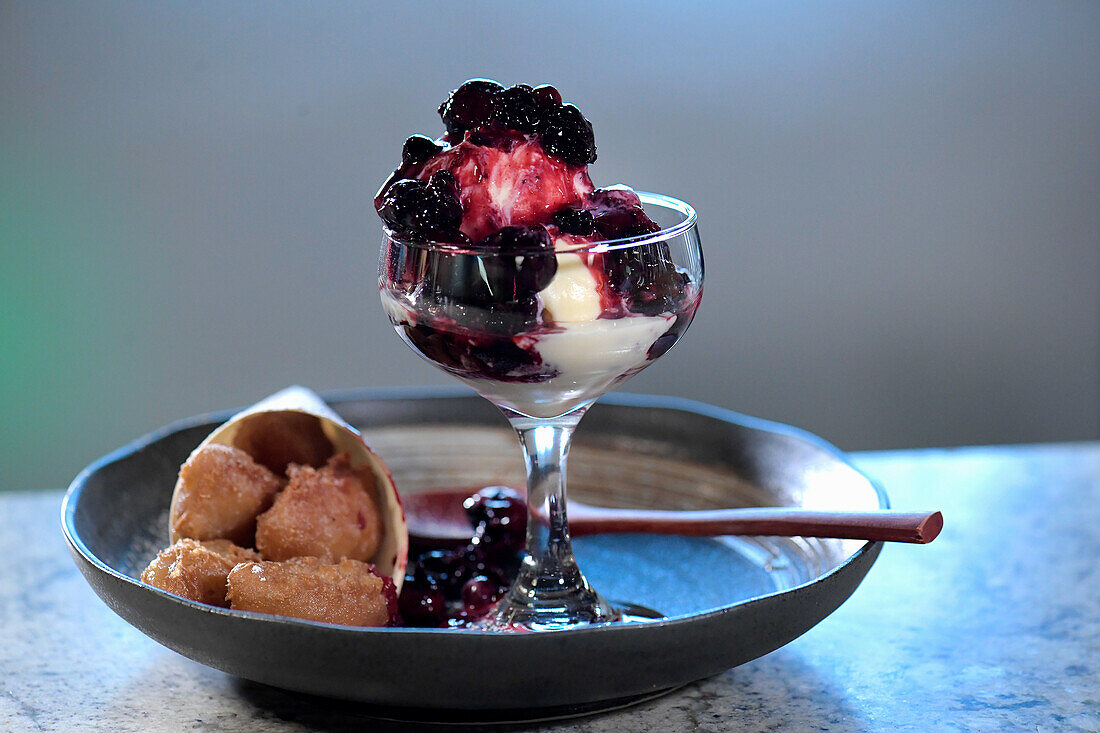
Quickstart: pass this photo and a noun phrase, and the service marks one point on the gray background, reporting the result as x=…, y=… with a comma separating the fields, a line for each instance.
x=899, y=204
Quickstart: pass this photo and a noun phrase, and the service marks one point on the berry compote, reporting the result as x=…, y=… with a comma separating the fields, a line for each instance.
x=505, y=266
x=453, y=587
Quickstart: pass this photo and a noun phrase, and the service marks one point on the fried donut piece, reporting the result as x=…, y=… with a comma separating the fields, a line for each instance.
x=330, y=513
x=349, y=593
x=196, y=570
x=276, y=440
x=219, y=494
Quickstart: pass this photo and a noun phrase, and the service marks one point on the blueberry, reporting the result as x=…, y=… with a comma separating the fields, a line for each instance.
x=496, y=505
x=519, y=240
x=497, y=289
x=618, y=213
x=535, y=271
x=499, y=560
x=471, y=105
x=422, y=606
x=397, y=175
x=479, y=593
x=471, y=578
x=668, y=339
x=503, y=573
x=416, y=151
x=517, y=109
x=501, y=547
x=499, y=515
x=434, y=569
x=419, y=149
x=447, y=570
x=575, y=221
x=527, y=262
x=490, y=283
x=546, y=96
x=415, y=208
x=566, y=134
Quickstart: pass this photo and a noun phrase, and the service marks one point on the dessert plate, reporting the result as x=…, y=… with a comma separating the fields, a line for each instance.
x=726, y=600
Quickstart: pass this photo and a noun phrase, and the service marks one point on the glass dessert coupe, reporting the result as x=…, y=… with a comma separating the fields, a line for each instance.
x=543, y=355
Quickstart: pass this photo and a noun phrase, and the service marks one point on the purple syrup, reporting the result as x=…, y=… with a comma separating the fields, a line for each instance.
x=473, y=104
x=389, y=593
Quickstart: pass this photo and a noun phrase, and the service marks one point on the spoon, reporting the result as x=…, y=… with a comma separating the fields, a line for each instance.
x=438, y=516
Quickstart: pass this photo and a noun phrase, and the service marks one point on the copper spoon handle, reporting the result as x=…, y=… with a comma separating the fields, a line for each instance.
x=882, y=525
x=439, y=516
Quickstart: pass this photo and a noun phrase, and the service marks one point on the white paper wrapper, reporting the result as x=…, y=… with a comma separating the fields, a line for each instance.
x=295, y=424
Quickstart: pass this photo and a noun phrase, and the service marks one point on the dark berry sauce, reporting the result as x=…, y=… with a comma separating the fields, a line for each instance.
x=452, y=587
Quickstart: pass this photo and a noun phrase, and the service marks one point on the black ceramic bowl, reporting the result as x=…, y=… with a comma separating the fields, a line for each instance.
x=727, y=600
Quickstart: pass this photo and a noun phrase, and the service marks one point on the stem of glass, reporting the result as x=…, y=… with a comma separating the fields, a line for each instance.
x=550, y=591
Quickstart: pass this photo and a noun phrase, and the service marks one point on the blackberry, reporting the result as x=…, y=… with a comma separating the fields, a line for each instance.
x=418, y=149
x=444, y=183
x=495, y=137
x=517, y=109
x=623, y=223
x=575, y=221
x=566, y=134
x=471, y=105
x=415, y=208
x=398, y=207
x=614, y=197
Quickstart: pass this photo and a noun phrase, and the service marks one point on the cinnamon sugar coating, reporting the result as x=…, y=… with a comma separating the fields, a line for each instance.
x=347, y=593
x=196, y=570
x=330, y=513
x=219, y=494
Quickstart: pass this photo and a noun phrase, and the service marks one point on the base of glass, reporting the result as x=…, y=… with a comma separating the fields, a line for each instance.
x=508, y=616
x=540, y=609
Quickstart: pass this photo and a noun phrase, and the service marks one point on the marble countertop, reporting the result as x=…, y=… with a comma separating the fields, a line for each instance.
x=994, y=626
